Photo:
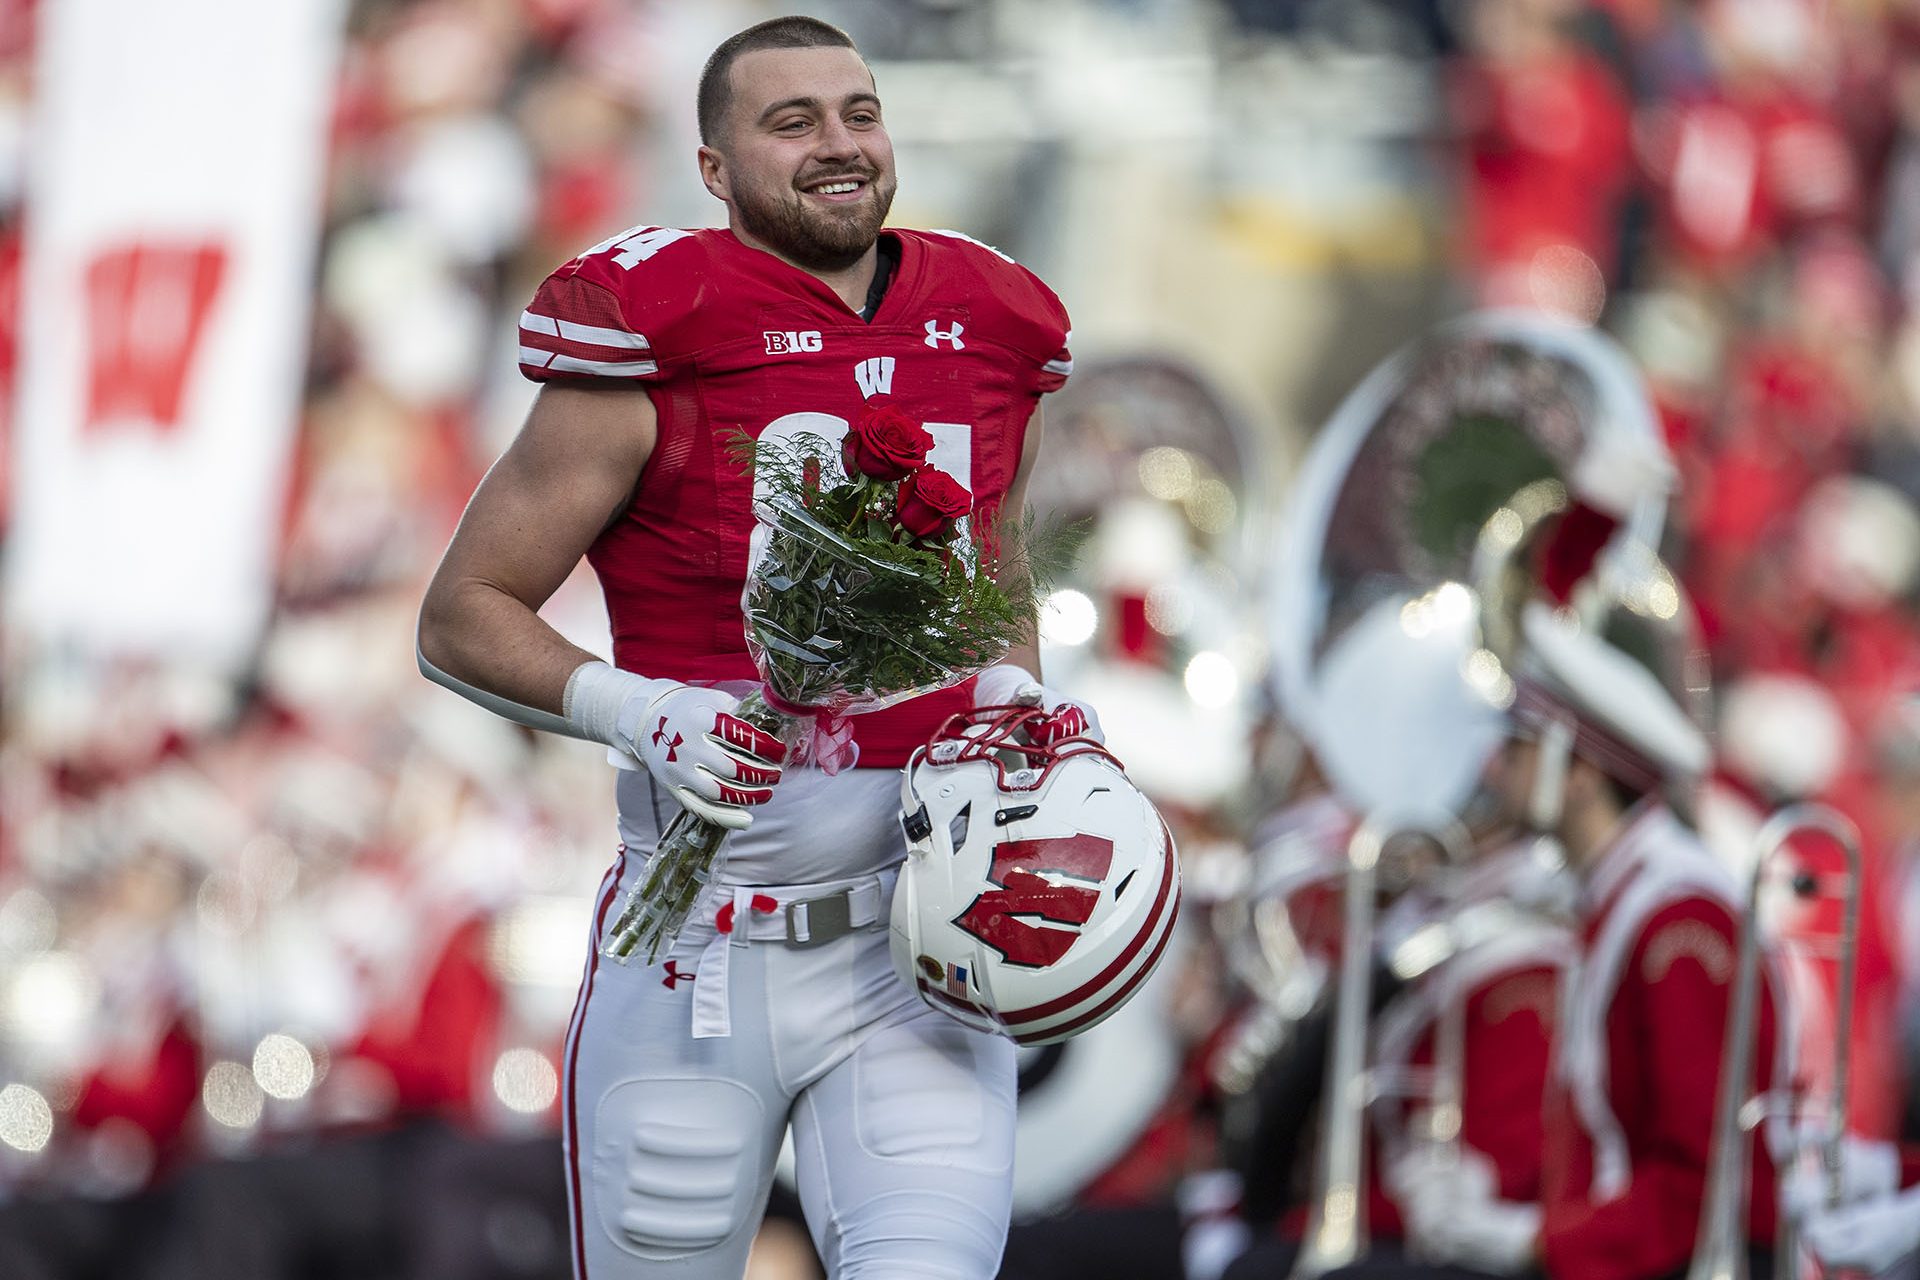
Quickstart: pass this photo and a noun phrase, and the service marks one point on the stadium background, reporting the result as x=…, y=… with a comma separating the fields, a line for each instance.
x=288, y=937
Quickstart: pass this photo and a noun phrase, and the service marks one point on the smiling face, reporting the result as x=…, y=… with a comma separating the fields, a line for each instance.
x=804, y=161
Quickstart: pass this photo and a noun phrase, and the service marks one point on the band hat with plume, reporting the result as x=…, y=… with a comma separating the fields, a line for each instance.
x=1625, y=722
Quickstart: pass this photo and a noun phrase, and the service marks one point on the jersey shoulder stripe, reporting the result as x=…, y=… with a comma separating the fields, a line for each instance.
x=1062, y=364
x=582, y=334
x=576, y=327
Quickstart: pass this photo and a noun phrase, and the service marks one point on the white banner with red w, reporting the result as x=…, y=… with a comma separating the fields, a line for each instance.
x=172, y=216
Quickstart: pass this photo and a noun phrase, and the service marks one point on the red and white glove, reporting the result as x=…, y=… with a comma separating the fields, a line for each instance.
x=1006, y=685
x=715, y=764
x=1454, y=1214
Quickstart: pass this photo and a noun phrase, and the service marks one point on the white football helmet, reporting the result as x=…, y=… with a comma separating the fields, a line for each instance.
x=1040, y=886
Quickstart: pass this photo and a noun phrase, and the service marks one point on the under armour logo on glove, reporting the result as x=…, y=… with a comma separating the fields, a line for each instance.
x=1004, y=684
x=675, y=977
x=1068, y=720
x=660, y=736
x=715, y=763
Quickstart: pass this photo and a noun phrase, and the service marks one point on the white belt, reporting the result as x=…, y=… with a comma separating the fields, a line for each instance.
x=798, y=915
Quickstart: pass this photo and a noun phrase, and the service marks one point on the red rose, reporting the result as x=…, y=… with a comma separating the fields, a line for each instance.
x=930, y=501
x=885, y=444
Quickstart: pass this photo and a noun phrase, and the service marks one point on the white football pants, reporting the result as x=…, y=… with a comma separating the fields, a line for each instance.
x=902, y=1118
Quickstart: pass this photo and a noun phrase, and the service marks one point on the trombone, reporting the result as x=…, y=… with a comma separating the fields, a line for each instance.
x=1720, y=1251
x=1337, y=1230
x=1265, y=953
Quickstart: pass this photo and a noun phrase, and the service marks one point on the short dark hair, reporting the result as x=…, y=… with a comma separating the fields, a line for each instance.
x=716, y=80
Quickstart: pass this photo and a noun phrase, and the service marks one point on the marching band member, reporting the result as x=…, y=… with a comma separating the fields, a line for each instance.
x=1629, y=1117
x=1508, y=985
x=1505, y=980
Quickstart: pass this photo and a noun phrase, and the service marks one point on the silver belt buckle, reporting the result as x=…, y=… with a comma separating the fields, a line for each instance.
x=826, y=919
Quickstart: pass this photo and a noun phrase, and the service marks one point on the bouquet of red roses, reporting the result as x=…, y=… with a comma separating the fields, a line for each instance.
x=871, y=580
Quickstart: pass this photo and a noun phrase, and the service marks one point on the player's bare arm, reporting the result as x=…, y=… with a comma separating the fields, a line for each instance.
x=1016, y=678
x=1025, y=655
x=567, y=475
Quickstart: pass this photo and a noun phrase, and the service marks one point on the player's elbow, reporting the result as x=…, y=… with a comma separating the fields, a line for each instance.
x=436, y=632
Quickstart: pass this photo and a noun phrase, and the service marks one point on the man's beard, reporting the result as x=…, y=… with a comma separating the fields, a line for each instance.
x=813, y=237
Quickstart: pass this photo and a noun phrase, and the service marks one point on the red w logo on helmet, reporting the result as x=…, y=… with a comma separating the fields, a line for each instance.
x=1019, y=867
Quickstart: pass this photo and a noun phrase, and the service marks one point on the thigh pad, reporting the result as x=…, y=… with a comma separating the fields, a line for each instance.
x=678, y=1164
x=929, y=1091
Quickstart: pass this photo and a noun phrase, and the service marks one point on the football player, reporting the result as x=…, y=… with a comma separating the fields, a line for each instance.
x=778, y=1006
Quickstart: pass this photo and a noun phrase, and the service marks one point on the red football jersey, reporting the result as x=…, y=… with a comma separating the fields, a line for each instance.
x=727, y=337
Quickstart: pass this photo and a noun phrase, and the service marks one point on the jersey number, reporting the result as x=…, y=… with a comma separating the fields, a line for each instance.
x=637, y=244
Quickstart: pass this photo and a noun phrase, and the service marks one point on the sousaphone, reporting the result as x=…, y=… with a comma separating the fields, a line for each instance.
x=1506, y=448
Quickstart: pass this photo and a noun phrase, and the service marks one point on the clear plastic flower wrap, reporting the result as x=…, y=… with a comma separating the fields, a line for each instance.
x=870, y=581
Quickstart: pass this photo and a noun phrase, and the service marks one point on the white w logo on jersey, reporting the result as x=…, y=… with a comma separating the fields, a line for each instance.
x=875, y=376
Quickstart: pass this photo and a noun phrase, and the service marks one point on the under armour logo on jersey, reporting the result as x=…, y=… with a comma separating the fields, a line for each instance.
x=875, y=376
x=660, y=736
x=675, y=977
x=936, y=335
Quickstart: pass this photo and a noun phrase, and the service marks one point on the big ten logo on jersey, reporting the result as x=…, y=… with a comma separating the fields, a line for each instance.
x=148, y=312
x=787, y=341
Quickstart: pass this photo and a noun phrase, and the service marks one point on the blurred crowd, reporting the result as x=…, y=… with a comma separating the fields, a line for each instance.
x=325, y=919
x=1726, y=186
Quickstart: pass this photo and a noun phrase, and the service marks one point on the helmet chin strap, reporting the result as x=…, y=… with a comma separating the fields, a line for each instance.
x=1548, y=801
x=1547, y=805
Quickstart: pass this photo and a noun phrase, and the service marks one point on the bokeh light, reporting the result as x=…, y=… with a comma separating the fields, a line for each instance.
x=525, y=1081
x=26, y=1120
x=1068, y=617
x=1211, y=679
x=1167, y=473
x=283, y=1067
x=231, y=1096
